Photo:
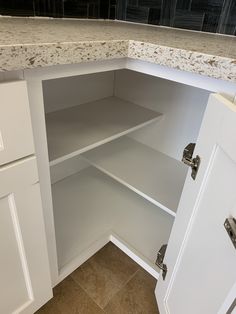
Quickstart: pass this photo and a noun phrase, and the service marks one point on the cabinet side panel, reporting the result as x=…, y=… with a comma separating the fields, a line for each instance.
x=183, y=108
x=75, y=90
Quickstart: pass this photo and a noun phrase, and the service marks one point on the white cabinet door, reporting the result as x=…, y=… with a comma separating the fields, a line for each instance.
x=200, y=257
x=24, y=268
x=16, y=135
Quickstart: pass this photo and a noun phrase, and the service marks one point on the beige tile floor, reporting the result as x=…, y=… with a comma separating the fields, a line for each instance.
x=109, y=282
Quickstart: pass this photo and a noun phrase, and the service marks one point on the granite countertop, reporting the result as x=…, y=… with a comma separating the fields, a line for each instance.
x=33, y=42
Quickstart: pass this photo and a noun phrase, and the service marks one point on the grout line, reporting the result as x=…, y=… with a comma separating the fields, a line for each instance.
x=119, y=289
x=122, y=286
x=130, y=278
x=78, y=284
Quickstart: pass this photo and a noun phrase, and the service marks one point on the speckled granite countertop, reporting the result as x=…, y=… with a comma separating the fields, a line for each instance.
x=29, y=43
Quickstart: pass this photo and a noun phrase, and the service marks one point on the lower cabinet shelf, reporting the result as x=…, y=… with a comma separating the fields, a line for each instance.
x=151, y=174
x=89, y=205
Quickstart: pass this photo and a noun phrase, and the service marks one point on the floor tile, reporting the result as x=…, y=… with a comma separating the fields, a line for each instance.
x=136, y=297
x=49, y=308
x=105, y=273
x=70, y=298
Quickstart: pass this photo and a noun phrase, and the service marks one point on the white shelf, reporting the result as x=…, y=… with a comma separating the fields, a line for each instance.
x=89, y=204
x=75, y=130
x=153, y=175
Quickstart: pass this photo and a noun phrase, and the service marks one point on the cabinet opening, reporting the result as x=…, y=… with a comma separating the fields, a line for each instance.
x=115, y=143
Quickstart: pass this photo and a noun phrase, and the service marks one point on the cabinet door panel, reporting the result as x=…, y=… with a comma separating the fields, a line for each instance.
x=207, y=267
x=25, y=283
x=15, y=284
x=16, y=137
x=200, y=256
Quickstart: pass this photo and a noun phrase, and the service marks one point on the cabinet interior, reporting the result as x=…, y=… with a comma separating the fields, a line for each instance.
x=115, y=142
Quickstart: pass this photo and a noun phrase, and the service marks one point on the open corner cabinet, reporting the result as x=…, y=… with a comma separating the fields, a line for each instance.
x=115, y=143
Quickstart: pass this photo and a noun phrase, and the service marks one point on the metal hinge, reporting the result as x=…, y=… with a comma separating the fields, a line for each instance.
x=230, y=227
x=194, y=163
x=160, y=259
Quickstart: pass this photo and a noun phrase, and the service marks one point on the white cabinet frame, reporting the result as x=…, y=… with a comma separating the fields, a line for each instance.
x=34, y=79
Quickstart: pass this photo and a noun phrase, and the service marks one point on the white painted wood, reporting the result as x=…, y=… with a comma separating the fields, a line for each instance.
x=151, y=174
x=39, y=131
x=80, y=219
x=229, y=304
x=16, y=140
x=75, y=130
x=127, y=227
x=136, y=256
x=25, y=278
x=8, y=76
x=183, y=77
x=100, y=243
x=16, y=285
x=67, y=168
x=66, y=92
x=67, y=70
x=18, y=173
x=182, y=108
x=79, y=259
x=199, y=246
x=89, y=204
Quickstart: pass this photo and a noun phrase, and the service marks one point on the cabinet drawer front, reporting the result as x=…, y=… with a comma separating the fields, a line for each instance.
x=17, y=175
x=16, y=137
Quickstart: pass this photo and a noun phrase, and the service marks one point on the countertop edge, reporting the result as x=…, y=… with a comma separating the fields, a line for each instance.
x=29, y=56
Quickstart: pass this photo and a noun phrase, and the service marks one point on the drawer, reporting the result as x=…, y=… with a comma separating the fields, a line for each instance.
x=18, y=175
x=16, y=136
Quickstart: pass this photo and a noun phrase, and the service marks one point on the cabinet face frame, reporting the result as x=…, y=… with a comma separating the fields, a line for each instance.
x=34, y=80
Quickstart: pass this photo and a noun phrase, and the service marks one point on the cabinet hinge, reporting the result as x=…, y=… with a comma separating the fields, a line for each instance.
x=188, y=159
x=230, y=227
x=160, y=259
